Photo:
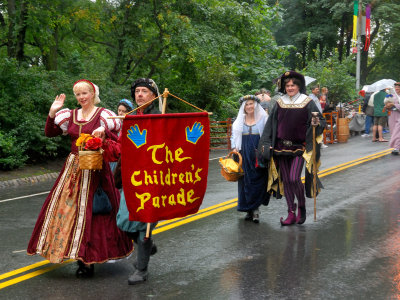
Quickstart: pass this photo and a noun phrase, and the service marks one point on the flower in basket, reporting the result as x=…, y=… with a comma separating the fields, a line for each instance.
x=80, y=142
x=94, y=143
x=89, y=142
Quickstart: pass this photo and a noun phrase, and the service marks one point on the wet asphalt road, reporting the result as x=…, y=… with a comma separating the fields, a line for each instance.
x=350, y=252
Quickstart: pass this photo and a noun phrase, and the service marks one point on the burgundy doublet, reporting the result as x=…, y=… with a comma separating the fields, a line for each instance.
x=292, y=128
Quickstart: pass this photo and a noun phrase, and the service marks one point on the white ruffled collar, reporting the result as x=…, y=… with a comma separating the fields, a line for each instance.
x=296, y=99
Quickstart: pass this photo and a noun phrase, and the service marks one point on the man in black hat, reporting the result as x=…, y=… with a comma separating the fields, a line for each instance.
x=143, y=90
x=287, y=137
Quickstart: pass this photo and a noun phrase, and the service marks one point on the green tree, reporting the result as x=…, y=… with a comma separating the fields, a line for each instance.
x=335, y=75
x=208, y=52
x=307, y=20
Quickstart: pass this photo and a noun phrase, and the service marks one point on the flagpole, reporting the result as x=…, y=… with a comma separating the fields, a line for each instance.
x=358, y=46
x=164, y=109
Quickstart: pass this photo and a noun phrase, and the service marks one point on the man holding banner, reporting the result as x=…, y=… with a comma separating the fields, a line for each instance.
x=142, y=90
x=164, y=170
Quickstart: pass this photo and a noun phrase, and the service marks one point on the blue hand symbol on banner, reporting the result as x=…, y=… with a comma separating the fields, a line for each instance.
x=136, y=136
x=193, y=135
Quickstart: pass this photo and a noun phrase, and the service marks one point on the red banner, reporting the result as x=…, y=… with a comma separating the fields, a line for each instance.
x=164, y=164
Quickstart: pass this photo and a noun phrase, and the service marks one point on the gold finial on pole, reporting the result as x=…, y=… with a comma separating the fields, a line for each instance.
x=165, y=96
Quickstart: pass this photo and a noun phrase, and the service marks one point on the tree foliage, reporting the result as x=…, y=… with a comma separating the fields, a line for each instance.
x=208, y=52
x=335, y=75
x=328, y=26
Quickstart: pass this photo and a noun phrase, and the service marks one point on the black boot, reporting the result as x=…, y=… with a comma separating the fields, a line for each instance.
x=301, y=215
x=153, y=248
x=249, y=216
x=84, y=271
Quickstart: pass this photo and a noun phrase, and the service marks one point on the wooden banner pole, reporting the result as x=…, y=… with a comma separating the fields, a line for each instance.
x=164, y=104
x=314, y=162
x=164, y=108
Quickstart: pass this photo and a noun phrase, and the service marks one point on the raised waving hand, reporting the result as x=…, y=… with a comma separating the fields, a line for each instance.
x=57, y=105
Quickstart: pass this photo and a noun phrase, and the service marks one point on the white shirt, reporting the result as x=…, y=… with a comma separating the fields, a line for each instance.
x=316, y=101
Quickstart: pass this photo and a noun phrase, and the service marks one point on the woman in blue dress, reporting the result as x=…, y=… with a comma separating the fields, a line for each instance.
x=246, y=132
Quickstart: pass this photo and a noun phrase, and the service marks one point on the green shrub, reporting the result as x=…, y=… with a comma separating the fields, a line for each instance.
x=26, y=95
x=11, y=152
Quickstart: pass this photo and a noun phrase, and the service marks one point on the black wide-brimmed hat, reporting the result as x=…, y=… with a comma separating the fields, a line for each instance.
x=291, y=74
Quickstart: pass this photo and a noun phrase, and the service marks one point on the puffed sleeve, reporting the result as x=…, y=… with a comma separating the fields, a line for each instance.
x=62, y=119
x=113, y=125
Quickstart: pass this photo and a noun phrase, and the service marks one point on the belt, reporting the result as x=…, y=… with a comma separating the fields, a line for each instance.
x=288, y=143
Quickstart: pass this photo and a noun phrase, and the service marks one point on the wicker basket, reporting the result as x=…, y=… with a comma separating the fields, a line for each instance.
x=231, y=174
x=91, y=160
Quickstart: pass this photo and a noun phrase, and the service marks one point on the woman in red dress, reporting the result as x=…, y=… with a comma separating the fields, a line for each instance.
x=66, y=226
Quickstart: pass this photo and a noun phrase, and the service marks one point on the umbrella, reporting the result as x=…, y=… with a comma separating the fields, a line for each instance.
x=380, y=85
x=309, y=79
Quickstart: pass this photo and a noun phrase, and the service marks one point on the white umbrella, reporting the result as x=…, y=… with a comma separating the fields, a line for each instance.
x=380, y=85
x=309, y=79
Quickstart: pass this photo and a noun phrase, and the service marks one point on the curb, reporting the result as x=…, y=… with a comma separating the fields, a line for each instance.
x=28, y=180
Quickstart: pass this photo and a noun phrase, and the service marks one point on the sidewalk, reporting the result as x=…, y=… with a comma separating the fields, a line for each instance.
x=31, y=174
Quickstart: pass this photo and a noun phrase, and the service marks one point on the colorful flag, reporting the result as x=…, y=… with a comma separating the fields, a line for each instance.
x=164, y=164
x=367, y=27
x=355, y=20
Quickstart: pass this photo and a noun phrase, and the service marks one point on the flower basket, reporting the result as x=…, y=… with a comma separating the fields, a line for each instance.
x=90, y=152
x=91, y=160
x=230, y=169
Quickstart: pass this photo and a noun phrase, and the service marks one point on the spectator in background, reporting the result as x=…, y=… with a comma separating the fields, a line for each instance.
x=265, y=107
x=369, y=113
x=315, y=97
x=265, y=99
x=264, y=95
x=392, y=103
x=275, y=97
x=323, y=99
x=380, y=116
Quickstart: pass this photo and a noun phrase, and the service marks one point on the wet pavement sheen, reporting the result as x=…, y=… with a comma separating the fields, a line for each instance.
x=350, y=252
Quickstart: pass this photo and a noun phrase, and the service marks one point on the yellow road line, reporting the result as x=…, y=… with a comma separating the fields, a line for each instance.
x=325, y=173
x=194, y=217
x=202, y=211
x=162, y=226
x=362, y=159
x=24, y=269
x=169, y=224
x=33, y=274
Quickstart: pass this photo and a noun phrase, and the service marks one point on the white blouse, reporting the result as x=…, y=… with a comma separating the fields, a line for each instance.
x=63, y=117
